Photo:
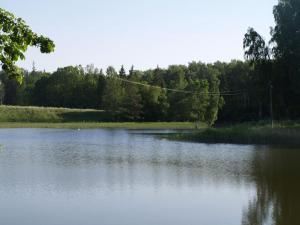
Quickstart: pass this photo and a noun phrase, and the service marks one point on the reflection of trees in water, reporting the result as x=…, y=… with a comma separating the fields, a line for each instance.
x=277, y=177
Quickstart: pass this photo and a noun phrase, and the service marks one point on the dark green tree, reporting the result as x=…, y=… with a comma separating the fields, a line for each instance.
x=286, y=41
x=113, y=93
x=132, y=102
x=255, y=47
x=101, y=82
x=175, y=78
x=197, y=102
x=122, y=72
x=2, y=92
x=155, y=103
x=131, y=71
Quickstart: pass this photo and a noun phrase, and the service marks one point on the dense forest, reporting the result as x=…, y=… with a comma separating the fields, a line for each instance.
x=178, y=93
x=268, y=82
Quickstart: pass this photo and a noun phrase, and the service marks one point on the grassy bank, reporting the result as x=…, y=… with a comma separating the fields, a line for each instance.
x=42, y=117
x=284, y=133
x=50, y=115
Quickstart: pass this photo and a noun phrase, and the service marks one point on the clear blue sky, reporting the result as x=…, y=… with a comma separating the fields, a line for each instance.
x=145, y=33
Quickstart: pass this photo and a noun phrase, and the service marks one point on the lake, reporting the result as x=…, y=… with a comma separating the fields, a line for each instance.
x=121, y=177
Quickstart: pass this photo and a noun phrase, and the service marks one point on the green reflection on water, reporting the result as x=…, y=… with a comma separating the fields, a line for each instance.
x=277, y=201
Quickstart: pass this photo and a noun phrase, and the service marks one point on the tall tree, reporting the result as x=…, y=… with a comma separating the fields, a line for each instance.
x=286, y=39
x=175, y=78
x=131, y=70
x=2, y=92
x=278, y=70
x=255, y=46
x=122, y=72
x=155, y=104
x=215, y=101
x=196, y=102
x=132, y=102
x=15, y=37
x=101, y=82
x=113, y=92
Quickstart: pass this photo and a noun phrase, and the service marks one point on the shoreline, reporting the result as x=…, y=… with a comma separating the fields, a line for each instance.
x=95, y=125
x=243, y=134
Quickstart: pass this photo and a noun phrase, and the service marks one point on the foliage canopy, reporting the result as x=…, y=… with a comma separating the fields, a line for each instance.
x=15, y=37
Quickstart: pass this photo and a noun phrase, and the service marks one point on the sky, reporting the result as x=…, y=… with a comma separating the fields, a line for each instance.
x=143, y=33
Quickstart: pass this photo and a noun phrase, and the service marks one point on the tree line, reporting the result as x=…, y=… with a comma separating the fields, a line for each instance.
x=198, y=91
x=277, y=62
x=268, y=82
x=179, y=93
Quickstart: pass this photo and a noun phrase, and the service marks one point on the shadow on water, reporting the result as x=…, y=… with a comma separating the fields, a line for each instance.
x=276, y=174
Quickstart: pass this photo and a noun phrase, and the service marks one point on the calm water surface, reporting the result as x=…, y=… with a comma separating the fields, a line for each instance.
x=119, y=177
